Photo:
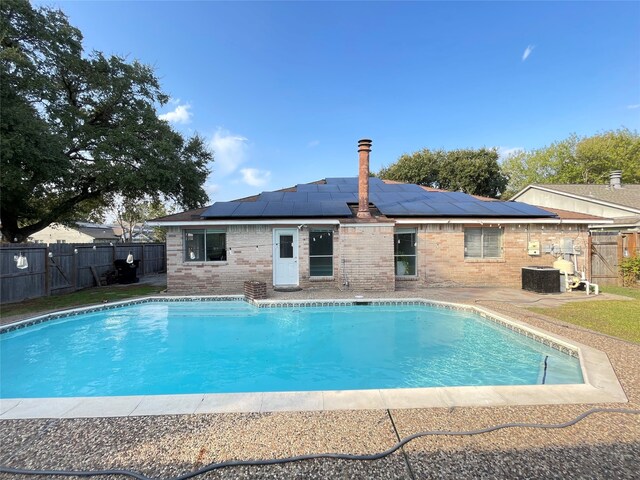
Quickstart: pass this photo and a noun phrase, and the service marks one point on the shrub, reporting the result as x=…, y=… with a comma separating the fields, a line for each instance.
x=630, y=270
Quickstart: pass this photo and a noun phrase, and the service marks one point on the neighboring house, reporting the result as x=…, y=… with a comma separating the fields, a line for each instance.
x=141, y=234
x=609, y=242
x=615, y=201
x=361, y=234
x=83, y=232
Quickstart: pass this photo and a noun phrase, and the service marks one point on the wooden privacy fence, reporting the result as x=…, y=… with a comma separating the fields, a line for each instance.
x=608, y=249
x=67, y=267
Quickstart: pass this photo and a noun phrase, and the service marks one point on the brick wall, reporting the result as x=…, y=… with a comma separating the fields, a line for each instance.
x=366, y=255
x=363, y=256
x=248, y=258
x=441, y=255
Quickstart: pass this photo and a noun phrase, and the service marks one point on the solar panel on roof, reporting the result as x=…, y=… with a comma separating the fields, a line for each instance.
x=271, y=196
x=473, y=208
x=345, y=196
x=503, y=208
x=307, y=187
x=410, y=188
x=221, y=209
x=345, y=187
x=530, y=209
x=328, y=188
x=295, y=197
x=457, y=196
x=318, y=196
x=341, y=180
x=278, y=209
x=331, y=199
x=306, y=209
x=446, y=208
x=394, y=209
x=250, y=209
x=337, y=209
x=383, y=197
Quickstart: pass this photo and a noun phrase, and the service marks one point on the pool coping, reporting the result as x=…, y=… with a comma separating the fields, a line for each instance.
x=601, y=384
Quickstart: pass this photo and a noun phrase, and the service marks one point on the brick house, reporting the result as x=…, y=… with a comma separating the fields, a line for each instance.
x=364, y=234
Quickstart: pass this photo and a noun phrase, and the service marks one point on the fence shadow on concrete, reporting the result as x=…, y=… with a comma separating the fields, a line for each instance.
x=66, y=267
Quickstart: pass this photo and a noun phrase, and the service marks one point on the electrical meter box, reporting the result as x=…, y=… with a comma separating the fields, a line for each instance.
x=533, y=247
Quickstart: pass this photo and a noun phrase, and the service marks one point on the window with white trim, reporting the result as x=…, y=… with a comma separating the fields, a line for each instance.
x=321, y=253
x=404, y=252
x=205, y=245
x=483, y=242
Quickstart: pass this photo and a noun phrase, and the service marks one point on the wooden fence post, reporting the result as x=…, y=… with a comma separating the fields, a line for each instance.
x=620, y=255
x=74, y=269
x=47, y=280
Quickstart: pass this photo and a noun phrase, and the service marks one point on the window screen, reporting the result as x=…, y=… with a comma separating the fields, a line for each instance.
x=404, y=249
x=205, y=245
x=320, y=253
x=483, y=242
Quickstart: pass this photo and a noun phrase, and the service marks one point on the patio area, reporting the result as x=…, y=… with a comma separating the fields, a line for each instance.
x=603, y=445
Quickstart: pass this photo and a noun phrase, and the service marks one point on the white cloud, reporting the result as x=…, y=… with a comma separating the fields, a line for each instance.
x=313, y=143
x=527, y=52
x=633, y=107
x=180, y=114
x=255, y=177
x=212, y=189
x=504, y=152
x=229, y=151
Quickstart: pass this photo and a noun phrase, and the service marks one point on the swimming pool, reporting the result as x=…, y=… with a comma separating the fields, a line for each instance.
x=157, y=348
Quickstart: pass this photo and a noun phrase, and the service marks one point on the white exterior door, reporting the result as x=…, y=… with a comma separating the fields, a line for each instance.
x=285, y=257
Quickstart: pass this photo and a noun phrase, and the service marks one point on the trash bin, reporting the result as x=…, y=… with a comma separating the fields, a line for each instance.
x=126, y=272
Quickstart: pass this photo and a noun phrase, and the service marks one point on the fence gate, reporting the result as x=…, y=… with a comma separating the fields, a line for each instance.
x=61, y=265
x=605, y=247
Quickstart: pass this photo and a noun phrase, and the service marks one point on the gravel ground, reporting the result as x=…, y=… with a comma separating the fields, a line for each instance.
x=604, y=445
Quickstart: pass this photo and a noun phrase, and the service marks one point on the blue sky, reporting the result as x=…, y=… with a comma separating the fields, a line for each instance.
x=282, y=91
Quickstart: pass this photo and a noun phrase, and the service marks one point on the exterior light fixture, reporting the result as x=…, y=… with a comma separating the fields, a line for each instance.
x=21, y=261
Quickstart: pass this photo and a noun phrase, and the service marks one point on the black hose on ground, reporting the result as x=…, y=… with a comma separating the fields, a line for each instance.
x=544, y=375
x=334, y=456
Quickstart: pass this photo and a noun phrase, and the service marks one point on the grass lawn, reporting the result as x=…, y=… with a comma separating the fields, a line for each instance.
x=89, y=296
x=618, y=318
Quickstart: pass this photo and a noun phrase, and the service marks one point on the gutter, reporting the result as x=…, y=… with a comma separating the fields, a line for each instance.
x=499, y=220
x=195, y=223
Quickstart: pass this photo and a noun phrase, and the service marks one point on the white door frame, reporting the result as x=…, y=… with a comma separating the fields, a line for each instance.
x=276, y=256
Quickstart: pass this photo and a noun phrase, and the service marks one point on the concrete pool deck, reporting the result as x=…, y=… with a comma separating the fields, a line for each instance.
x=604, y=445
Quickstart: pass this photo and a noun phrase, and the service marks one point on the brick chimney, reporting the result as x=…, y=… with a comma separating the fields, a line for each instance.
x=364, y=147
x=615, y=179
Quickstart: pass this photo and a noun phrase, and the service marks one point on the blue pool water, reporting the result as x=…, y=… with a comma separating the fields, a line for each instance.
x=222, y=347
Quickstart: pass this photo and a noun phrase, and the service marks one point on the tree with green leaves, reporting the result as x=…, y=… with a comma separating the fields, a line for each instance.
x=475, y=172
x=132, y=215
x=577, y=160
x=77, y=130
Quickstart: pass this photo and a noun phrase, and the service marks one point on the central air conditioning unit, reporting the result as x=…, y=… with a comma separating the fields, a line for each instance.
x=541, y=279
